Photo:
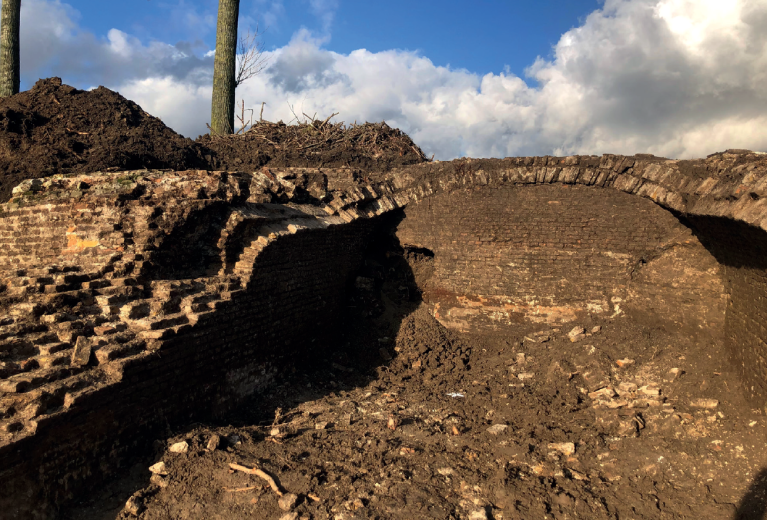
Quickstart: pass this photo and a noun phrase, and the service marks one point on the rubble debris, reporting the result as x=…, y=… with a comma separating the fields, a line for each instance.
x=134, y=506
x=158, y=469
x=625, y=387
x=672, y=375
x=497, y=429
x=605, y=392
x=576, y=334
x=288, y=501
x=565, y=448
x=704, y=403
x=650, y=390
x=179, y=447
x=478, y=514
x=159, y=481
x=213, y=442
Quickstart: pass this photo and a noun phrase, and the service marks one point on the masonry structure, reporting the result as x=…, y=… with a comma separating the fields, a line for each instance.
x=134, y=300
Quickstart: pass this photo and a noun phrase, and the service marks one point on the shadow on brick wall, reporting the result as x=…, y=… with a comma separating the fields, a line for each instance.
x=379, y=293
x=741, y=250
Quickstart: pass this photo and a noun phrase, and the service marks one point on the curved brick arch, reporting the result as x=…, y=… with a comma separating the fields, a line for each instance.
x=720, y=201
x=729, y=185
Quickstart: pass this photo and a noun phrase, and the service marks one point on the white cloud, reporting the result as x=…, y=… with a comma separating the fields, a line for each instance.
x=52, y=43
x=171, y=99
x=325, y=11
x=679, y=78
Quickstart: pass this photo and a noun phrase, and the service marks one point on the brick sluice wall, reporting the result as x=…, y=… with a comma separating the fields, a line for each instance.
x=742, y=252
x=204, y=372
x=143, y=307
x=151, y=301
x=552, y=254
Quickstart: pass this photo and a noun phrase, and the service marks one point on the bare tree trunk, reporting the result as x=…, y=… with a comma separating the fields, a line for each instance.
x=9, y=47
x=222, y=110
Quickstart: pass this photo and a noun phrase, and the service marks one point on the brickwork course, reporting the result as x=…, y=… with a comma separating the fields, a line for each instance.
x=134, y=299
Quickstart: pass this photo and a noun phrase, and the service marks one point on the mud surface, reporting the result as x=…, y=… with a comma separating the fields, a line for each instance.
x=407, y=419
x=54, y=128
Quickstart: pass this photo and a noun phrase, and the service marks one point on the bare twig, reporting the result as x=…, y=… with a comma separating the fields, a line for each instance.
x=250, y=58
x=295, y=117
x=244, y=125
x=238, y=490
x=259, y=473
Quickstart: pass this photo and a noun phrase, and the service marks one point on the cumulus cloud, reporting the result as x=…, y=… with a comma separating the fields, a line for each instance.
x=678, y=78
x=52, y=43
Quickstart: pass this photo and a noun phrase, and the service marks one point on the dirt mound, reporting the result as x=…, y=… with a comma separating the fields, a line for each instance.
x=371, y=146
x=55, y=128
x=427, y=351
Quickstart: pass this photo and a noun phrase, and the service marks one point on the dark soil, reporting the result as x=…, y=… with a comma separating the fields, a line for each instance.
x=55, y=128
x=408, y=420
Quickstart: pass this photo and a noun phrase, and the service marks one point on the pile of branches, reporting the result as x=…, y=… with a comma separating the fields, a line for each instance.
x=375, y=138
x=310, y=134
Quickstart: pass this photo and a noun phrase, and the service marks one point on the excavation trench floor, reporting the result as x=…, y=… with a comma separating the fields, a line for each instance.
x=524, y=425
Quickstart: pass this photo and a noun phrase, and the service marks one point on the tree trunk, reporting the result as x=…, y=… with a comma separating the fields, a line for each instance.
x=9, y=47
x=222, y=110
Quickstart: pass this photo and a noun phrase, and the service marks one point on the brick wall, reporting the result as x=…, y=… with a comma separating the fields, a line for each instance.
x=136, y=300
x=542, y=239
x=551, y=254
x=742, y=251
x=84, y=234
x=292, y=303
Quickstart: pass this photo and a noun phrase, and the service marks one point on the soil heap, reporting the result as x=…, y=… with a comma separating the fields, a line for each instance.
x=55, y=128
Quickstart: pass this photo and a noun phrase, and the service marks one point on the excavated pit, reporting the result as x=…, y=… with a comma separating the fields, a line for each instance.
x=576, y=337
x=507, y=340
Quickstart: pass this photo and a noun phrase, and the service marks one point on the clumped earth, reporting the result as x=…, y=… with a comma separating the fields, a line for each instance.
x=405, y=419
x=55, y=128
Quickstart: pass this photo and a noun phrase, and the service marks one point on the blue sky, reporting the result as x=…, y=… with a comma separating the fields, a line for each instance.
x=480, y=36
x=676, y=78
